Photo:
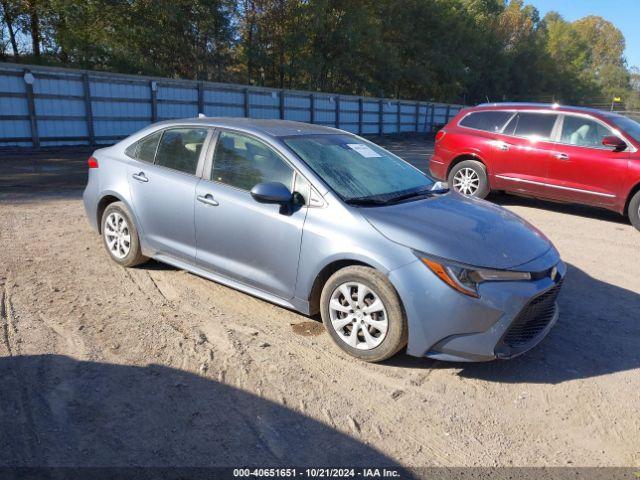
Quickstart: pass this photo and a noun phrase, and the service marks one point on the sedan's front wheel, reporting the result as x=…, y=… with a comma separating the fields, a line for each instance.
x=363, y=314
x=120, y=236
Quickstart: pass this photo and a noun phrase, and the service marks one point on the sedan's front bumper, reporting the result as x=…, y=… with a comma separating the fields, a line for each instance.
x=447, y=325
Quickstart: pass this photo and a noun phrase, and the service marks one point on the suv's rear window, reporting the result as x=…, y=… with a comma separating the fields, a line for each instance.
x=490, y=121
x=538, y=125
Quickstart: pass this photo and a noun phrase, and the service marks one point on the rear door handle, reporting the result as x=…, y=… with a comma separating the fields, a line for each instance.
x=561, y=156
x=141, y=177
x=501, y=145
x=207, y=200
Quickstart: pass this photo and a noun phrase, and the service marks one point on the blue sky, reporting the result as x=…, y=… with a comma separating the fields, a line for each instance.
x=624, y=14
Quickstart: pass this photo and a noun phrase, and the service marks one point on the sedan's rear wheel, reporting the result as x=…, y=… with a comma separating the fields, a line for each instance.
x=469, y=178
x=362, y=313
x=634, y=210
x=120, y=236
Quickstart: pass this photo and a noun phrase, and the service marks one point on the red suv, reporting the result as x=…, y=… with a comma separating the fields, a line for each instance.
x=568, y=154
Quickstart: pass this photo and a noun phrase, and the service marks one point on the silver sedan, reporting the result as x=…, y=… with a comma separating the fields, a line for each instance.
x=323, y=221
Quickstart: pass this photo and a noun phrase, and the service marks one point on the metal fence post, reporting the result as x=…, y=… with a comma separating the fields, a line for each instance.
x=281, y=104
x=337, y=119
x=153, y=86
x=446, y=115
x=200, y=98
x=31, y=105
x=380, y=117
x=426, y=118
x=88, y=108
x=360, y=115
x=433, y=116
x=246, y=102
x=417, y=114
x=312, y=108
x=399, y=117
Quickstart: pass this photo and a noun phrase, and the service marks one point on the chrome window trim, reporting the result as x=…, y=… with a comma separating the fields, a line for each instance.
x=521, y=180
x=553, y=139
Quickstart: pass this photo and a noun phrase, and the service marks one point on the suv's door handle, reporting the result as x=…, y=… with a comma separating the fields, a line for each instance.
x=141, y=177
x=561, y=156
x=207, y=200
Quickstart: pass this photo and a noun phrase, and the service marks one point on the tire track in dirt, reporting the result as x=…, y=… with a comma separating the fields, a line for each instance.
x=331, y=369
x=10, y=333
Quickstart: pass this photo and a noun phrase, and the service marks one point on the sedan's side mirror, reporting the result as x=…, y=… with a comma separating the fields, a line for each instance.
x=616, y=142
x=271, y=192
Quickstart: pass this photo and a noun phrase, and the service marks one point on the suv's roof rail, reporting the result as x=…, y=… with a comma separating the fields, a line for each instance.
x=519, y=104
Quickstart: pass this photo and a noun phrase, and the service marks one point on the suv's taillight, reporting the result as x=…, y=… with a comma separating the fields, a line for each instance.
x=92, y=162
x=440, y=135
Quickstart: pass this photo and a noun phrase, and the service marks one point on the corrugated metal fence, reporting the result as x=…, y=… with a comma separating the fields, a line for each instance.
x=46, y=106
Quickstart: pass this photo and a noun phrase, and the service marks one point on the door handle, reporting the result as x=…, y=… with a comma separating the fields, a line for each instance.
x=141, y=177
x=561, y=156
x=503, y=146
x=207, y=200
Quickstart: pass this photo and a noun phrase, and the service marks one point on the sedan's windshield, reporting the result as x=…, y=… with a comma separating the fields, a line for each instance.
x=357, y=170
x=627, y=125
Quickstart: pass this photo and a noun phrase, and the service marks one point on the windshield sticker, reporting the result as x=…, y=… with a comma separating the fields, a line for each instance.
x=363, y=150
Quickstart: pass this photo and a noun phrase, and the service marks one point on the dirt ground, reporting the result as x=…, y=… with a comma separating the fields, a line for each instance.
x=106, y=366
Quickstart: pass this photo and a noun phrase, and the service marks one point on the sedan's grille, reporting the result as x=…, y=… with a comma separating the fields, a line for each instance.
x=533, y=319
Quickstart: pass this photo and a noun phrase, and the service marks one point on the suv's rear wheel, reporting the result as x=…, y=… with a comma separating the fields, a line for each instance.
x=363, y=314
x=469, y=178
x=120, y=236
x=634, y=210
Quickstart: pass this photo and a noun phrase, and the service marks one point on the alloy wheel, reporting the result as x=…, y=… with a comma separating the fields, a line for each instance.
x=358, y=316
x=117, y=235
x=466, y=181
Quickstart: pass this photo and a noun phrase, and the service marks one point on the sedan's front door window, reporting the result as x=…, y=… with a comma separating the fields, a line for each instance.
x=243, y=162
x=583, y=131
x=179, y=149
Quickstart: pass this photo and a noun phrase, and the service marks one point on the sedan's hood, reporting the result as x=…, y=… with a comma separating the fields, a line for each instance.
x=469, y=231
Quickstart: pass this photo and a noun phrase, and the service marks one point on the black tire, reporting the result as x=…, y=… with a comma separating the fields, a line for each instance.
x=478, y=168
x=396, y=333
x=134, y=255
x=634, y=210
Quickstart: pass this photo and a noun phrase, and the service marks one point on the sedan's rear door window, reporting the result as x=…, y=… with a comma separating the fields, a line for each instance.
x=179, y=149
x=531, y=125
x=489, y=121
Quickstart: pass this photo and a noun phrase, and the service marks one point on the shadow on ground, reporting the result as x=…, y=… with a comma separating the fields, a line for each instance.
x=64, y=169
x=598, y=333
x=57, y=411
x=586, y=211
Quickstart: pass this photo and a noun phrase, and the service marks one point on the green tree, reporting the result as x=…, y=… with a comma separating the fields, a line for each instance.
x=9, y=13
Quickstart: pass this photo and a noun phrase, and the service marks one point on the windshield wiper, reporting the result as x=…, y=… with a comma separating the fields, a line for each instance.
x=407, y=196
x=365, y=201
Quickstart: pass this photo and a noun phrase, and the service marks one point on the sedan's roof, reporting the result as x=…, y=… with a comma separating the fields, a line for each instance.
x=270, y=127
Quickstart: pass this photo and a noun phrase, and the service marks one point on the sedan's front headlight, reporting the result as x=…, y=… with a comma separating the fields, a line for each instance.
x=465, y=279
